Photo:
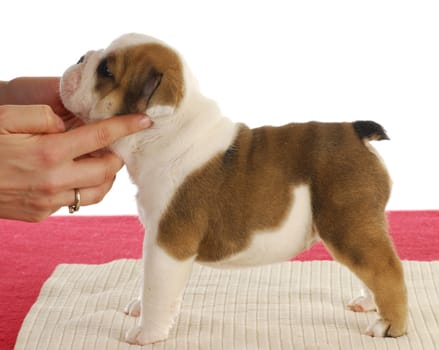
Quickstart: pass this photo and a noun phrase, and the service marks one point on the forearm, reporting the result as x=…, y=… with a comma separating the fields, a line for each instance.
x=31, y=90
x=3, y=93
x=13, y=91
x=8, y=90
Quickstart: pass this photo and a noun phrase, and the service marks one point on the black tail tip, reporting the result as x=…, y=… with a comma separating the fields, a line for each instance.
x=367, y=129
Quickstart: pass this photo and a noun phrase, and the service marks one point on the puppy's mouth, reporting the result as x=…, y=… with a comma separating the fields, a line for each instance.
x=68, y=87
x=69, y=84
x=70, y=93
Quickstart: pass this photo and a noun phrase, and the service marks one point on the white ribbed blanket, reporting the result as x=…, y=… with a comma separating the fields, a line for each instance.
x=293, y=305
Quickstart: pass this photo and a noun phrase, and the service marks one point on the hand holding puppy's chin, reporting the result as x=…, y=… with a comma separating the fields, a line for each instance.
x=44, y=165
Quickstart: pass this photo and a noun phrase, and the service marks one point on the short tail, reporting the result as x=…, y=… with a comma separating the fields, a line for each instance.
x=370, y=130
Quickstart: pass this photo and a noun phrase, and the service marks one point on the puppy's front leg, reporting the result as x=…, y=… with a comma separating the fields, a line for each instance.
x=164, y=280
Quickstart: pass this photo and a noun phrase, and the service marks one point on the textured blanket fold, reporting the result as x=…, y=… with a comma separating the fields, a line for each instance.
x=293, y=305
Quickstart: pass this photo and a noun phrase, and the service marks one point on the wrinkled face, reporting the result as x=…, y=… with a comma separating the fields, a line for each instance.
x=136, y=73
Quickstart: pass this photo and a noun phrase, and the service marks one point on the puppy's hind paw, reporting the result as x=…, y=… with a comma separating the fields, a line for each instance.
x=140, y=336
x=378, y=328
x=133, y=309
x=383, y=328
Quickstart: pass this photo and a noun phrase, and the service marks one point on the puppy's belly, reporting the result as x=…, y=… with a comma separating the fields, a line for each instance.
x=294, y=235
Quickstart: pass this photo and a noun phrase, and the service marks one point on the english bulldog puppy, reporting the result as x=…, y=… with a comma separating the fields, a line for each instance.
x=215, y=192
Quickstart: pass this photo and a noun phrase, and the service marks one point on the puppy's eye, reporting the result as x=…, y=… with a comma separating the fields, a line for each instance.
x=81, y=60
x=103, y=70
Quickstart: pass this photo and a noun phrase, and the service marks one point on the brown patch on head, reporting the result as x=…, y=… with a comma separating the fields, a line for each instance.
x=248, y=188
x=139, y=78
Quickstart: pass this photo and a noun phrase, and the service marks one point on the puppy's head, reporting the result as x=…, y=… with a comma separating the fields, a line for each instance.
x=136, y=73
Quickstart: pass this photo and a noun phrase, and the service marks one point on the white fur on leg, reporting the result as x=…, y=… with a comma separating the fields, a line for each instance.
x=364, y=302
x=378, y=329
x=164, y=280
x=140, y=336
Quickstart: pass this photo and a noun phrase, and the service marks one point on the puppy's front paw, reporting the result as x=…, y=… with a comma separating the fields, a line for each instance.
x=362, y=304
x=133, y=309
x=141, y=336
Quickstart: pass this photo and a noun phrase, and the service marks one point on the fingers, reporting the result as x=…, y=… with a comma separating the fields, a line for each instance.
x=92, y=176
x=89, y=195
x=92, y=137
x=38, y=206
x=92, y=171
x=32, y=119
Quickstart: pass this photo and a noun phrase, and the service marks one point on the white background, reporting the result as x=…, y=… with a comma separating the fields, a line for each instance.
x=267, y=62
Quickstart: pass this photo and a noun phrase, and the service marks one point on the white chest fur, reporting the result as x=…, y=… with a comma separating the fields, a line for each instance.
x=159, y=167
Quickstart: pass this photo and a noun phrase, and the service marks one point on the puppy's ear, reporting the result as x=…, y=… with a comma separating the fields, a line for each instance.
x=151, y=85
x=153, y=81
x=161, y=95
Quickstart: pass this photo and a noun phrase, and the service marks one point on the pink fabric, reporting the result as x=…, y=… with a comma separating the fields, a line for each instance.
x=30, y=252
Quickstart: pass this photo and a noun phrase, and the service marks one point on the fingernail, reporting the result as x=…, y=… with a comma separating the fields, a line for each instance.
x=145, y=122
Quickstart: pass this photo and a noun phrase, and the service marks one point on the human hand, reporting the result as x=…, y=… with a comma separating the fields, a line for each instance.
x=42, y=164
x=38, y=91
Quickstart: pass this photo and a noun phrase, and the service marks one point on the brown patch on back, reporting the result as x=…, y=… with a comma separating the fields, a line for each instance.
x=132, y=69
x=248, y=188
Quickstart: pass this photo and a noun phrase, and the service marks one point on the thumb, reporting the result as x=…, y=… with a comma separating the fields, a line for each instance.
x=29, y=119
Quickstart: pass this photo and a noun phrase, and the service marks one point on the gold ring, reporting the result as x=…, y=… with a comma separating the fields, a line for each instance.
x=75, y=206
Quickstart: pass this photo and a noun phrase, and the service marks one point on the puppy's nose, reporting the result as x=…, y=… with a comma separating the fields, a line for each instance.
x=81, y=59
x=85, y=57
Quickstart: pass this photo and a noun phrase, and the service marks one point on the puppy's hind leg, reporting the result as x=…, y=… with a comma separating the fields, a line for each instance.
x=364, y=302
x=365, y=248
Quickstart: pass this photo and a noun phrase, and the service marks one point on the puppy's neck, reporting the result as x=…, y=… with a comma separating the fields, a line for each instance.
x=196, y=128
